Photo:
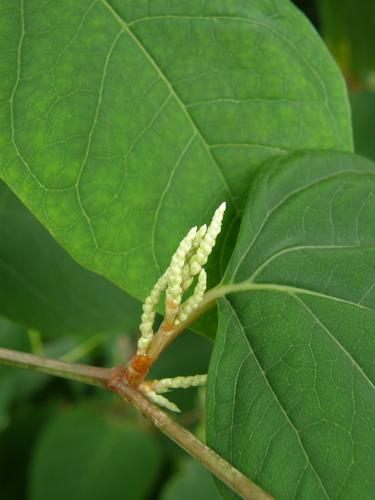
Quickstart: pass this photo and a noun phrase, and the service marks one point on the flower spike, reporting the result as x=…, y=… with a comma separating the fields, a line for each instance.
x=186, y=263
x=208, y=242
x=154, y=388
x=174, y=290
x=158, y=399
x=193, y=302
x=166, y=384
x=149, y=312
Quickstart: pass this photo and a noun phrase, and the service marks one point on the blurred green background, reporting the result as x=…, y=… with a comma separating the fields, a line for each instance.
x=63, y=440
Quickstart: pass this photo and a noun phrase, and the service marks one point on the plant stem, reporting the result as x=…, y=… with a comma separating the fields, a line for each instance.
x=82, y=373
x=161, y=341
x=138, y=369
x=114, y=380
x=222, y=469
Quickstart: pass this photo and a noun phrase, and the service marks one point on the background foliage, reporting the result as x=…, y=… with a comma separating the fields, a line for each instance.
x=157, y=108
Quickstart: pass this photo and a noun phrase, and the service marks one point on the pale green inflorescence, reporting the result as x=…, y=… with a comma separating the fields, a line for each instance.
x=186, y=263
x=166, y=384
x=187, y=278
x=192, y=302
x=158, y=399
x=149, y=312
x=158, y=387
x=175, y=276
x=205, y=247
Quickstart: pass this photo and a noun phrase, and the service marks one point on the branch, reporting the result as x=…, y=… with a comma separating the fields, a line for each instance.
x=186, y=440
x=73, y=371
x=114, y=380
x=161, y=342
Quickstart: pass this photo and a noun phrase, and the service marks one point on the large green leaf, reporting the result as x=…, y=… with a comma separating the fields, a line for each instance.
x=290, y=393
x=81, y=456
x=42, y=287
x=125, y=123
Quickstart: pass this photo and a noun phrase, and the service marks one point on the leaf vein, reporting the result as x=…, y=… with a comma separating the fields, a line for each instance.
x=284, y=412
x=125, y=26
x=341, y=347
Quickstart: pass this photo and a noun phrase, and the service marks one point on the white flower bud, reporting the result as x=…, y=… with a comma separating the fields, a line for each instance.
x=143, y=344
x=164, y=385
x=187, y=262
x=174, y=289
x=158, y=399
x=208, y=242
x=196, y=298
x=187, y=277
x=149, y=312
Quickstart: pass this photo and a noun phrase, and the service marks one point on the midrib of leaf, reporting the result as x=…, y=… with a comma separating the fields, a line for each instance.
x=282, y=202
x=273, y=257
x=222, y=291
x=257, y=23
x=125, y=27
x=163, y=195
x=323, y=326
x=267, y=382
x=246, y=286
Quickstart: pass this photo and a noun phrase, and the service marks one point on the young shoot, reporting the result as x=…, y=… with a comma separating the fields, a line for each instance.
x=187, y=263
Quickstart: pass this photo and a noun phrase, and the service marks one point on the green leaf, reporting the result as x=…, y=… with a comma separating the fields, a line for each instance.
x=363, y=115
x=290, y=394
x=349, y=30
x=191, y=481
x=125, y=124
x=81, y=456
x=42, y=287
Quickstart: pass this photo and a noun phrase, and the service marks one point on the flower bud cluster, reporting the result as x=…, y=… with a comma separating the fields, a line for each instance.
x=158, y=399
x=153, y=389
x=194, y=300
x=200, y=257
x=187, y=262
x=174, y=290
x=166, y=384
x=149, y=313
x=187, y=278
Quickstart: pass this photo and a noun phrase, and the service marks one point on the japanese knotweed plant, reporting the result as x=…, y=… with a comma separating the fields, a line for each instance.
x=123, y=124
